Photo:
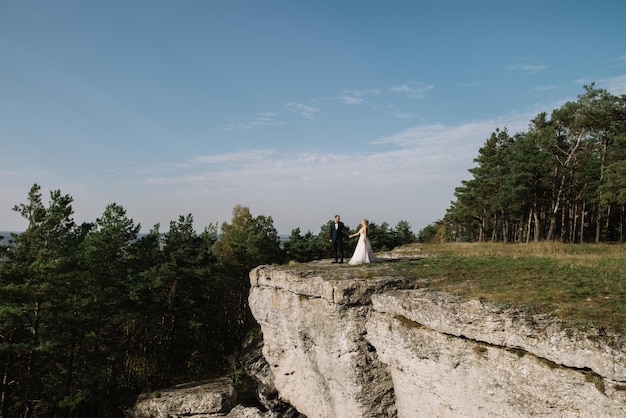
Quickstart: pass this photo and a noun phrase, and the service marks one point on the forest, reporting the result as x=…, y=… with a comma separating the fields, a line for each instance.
x=562, y=180
x=92, y=315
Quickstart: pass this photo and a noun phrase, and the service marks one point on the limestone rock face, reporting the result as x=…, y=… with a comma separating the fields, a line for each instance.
x=314, y=341
x=241, y=411
x=463, y=359
x=200, y=400
x=258, y=369
x=539, y=335
x=353, y=342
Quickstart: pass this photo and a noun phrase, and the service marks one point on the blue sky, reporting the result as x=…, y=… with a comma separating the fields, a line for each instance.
x=295, y=109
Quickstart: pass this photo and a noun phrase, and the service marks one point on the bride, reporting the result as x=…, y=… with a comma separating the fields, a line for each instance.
x=363, y=253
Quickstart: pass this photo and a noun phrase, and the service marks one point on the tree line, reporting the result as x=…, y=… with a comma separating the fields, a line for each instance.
x=93, y=314
x=562, y=180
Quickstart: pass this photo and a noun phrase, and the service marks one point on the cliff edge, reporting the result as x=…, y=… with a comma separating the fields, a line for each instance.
x=344, y=341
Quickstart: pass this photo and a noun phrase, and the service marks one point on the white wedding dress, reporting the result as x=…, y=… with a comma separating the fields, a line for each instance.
x=363, y=253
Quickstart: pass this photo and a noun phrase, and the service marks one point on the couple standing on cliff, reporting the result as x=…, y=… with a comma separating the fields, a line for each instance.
x=363, y=253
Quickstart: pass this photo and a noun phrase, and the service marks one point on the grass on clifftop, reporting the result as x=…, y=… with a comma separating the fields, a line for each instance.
x=584, y=285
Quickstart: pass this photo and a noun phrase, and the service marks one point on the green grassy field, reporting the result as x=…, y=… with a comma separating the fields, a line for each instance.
x=584, y=285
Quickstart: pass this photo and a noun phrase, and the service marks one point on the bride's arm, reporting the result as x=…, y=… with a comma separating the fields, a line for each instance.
x=356, y=233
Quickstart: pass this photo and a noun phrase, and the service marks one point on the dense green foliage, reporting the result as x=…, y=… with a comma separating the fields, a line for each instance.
x=92, y=315
x=562, y=180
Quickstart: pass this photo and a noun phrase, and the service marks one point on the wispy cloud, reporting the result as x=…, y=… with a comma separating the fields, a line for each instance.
x=259, y=119
x=541, y=89
x=438, y=136
x=357, y=97
x=399, y=114
x=455, y=140
x=615, y=85
x=412, y=90
x=617, y=62
x=175, y=180
x=472, y=84
x=418, y=154
x=351, y=100
x=303, y=110
x=10, y=173
x=526, y=68
x=241, y=157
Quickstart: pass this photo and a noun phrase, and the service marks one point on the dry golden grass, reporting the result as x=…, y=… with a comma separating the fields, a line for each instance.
x=584, y=285
x=539, y=249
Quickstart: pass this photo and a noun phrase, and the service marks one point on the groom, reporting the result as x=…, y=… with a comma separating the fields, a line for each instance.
x=336, y=237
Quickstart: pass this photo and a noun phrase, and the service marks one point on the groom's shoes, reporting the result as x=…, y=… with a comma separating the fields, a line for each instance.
x=341, y=262
x=335, y=262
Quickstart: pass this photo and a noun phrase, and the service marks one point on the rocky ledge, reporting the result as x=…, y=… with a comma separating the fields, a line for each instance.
x=359, y=342
x=199, y=399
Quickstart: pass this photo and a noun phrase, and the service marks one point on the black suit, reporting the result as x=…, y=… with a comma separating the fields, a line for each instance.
x=336, y=236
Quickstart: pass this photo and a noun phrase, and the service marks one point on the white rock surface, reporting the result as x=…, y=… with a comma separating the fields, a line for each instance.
x=540, y=335
x=198, y=400
x=313, y=332
x=347, y=343
x=439, y=374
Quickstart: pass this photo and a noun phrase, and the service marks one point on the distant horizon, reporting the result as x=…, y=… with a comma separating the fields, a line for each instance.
x=5, y=236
